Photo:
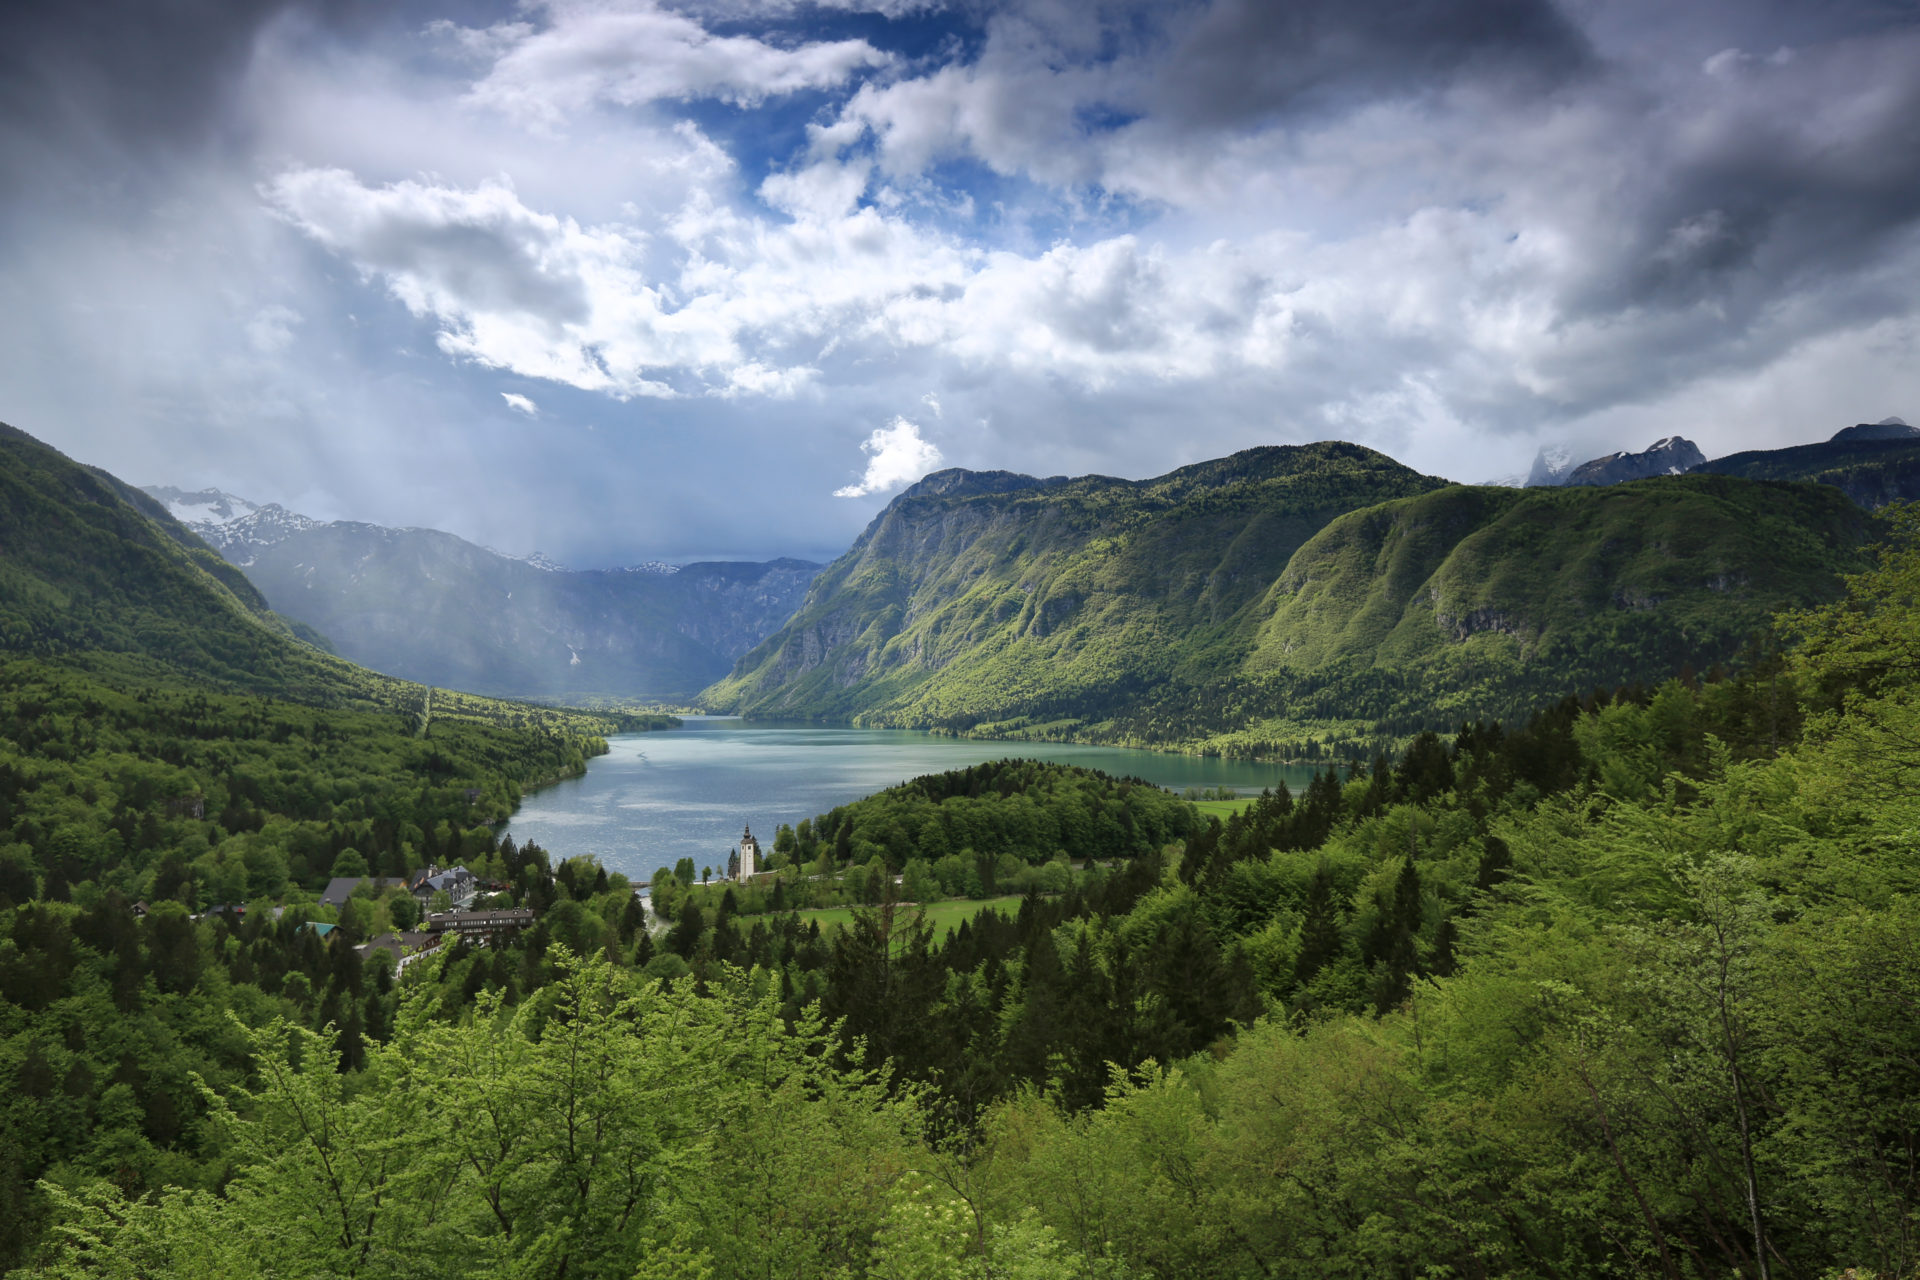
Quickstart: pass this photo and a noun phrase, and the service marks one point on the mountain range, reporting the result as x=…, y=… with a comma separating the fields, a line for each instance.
x=1238, y=604
x=1282, y=587
x=431, y=607
x=1874, y=463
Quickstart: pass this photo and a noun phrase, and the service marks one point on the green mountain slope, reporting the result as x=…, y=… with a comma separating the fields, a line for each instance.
x=1872, y=472
x=96, y=577
x=90, y=566
x=1475, y=588
x=976, y=597
x=1285, y=596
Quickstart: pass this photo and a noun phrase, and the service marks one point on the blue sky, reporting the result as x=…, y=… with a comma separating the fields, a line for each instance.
x=622, y=280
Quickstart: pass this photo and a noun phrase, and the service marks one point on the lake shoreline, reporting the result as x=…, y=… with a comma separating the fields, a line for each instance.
x=658, y=796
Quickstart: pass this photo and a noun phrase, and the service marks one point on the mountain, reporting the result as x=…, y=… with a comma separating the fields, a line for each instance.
x=1551, y=466
x=1885, y=429
x=1283, y=588
x=1669, y=457
x=202, y=506
x=94, y=566
x=428, y=606
x=1873, y=463
x=242, y=537
x=1594, y=585
x=976, y=596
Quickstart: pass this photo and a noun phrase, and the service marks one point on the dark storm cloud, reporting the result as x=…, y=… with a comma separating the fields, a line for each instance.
x=1786, y=168
x=1244, y=60
x=155, y=71
x=304, y=250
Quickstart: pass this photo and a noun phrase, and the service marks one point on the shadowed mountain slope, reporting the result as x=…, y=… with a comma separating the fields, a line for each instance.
x=1874, y=464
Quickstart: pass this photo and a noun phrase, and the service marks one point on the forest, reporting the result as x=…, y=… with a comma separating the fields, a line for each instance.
x=1628, y=988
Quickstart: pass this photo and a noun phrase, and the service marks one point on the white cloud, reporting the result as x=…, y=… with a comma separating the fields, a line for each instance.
x=896, y=456
x=629, y=52
x=520, y=403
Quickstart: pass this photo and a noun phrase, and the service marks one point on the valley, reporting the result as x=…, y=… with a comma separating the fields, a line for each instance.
x=1670, y=708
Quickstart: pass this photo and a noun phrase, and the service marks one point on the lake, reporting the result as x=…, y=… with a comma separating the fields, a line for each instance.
x=688, y=792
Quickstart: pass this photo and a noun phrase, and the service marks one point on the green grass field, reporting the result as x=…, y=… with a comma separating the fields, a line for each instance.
x=1222, y=809
x=944, y=916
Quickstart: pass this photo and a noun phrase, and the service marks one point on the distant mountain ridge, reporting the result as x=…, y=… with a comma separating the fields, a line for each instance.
x=1672, y=456
x=1886, y=470
x=428, y=606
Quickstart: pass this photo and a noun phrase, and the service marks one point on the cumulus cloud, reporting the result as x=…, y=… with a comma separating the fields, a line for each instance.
x=1118, y=236
x=896, y=456
x=520, y=404
x=629, y=52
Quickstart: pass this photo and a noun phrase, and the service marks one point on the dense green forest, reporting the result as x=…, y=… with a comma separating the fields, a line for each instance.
x=1285, y=603
x=170, y=747
x=1626, y=989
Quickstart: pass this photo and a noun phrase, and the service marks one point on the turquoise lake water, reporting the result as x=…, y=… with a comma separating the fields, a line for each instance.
x=688, y=792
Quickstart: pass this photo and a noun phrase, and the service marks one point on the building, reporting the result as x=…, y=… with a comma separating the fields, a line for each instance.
x=458, y=884
x=405, y=947
x=482, y=928
x=748, y=857
x=340, y=888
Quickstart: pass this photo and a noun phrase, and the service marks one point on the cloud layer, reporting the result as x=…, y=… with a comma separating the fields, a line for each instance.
x=1117, y=236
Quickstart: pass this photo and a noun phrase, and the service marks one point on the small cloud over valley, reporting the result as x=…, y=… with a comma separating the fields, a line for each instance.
x=896, y=456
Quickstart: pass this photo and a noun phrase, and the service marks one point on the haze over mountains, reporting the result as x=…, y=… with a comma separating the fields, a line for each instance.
x=431, y=607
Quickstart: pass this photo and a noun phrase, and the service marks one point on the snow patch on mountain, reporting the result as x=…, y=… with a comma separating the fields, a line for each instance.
x=202, y=506
x=1552, y=465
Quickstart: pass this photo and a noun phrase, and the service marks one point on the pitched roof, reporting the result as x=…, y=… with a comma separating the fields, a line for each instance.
x=340, y=888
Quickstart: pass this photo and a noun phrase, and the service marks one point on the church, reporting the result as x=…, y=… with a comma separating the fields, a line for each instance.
x=744, y=861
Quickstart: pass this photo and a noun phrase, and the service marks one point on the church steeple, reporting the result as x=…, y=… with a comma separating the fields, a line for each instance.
x=749, y=853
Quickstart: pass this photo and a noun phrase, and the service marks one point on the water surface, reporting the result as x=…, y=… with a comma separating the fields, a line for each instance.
x=688, y=792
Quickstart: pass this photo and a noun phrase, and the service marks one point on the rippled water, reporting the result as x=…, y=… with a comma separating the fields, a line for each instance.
x=687, y=792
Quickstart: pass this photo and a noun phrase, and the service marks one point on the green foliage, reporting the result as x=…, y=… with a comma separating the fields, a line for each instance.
x=1625, y=988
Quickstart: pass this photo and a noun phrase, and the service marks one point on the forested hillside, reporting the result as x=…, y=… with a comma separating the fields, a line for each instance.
x=164, y=737
x=1626, y=990
x=1627, y=987
x=975, y=598
x=1871, y=468
x=1285, y=602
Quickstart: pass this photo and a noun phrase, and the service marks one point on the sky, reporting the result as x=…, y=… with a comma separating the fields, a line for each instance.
x=626, y=280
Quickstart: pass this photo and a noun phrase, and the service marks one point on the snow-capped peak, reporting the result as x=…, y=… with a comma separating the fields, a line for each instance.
x=534, y=561
x=202, y=506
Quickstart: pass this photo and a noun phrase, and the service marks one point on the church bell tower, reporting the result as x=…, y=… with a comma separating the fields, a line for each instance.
x=749, y=854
